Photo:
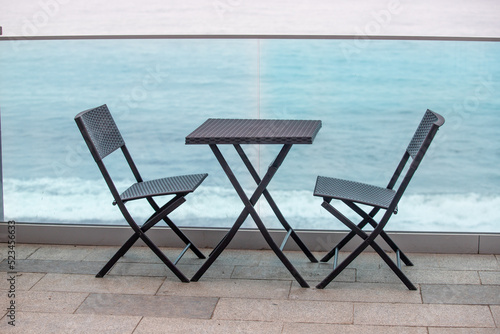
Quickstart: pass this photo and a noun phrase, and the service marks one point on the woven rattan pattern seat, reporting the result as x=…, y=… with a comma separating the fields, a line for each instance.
x=354, y=191
x=165, y=186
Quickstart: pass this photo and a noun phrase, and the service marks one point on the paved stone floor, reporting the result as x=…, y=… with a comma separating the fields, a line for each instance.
x=244, y=292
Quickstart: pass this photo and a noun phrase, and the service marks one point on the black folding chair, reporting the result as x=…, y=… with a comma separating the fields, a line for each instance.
x=103, y=138
x=350, y=193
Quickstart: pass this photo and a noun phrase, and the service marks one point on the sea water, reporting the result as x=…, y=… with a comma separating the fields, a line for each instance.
x=369, y=95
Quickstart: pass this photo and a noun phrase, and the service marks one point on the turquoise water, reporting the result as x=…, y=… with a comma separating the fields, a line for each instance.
x=370, y=96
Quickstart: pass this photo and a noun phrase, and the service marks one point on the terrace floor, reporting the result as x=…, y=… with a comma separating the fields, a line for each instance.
x=245, y=291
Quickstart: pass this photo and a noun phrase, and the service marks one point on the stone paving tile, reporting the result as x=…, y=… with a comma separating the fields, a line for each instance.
x=134, y=254
x=461, y=294
x=255, y=299
x=161, y=270
x=140, y=269
x=150, y=325
x=50, y=302
x=296, y=257
x=423, y=260
x=416, y=276
x=359, y=292
x=22, y=250
x=306, y=266
x=101, y=253
x=217, y=270
x=495, y=310
x=146, y=255
x=36, y=323
x=283, y=310
x=149, y=306
x=423, y=315
x=107, y=284
x=62, y=252
x=234, y=288
x=234, y=257
x=55, y=266
x=468, y=262
x=282, y=273
x=301, y=328
x=23, y=281
x=490, y=277
x=454, y=261
x=433, y=330
x=4, y=250
x=370, y=260
x=142, y=255
x=367, y=260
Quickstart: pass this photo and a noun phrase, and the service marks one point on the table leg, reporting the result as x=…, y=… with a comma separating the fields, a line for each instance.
x=274, y=206
x=249, y=209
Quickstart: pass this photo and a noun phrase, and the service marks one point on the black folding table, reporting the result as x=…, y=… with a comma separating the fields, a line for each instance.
x=256, y=131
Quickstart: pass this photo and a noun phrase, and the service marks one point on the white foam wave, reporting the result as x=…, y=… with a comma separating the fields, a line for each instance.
x=73, y=200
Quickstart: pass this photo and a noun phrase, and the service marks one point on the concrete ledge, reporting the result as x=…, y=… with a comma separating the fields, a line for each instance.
x=489, y=244
x=320, y=241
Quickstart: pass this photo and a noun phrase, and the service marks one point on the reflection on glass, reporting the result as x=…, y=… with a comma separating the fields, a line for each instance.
x=370, y=96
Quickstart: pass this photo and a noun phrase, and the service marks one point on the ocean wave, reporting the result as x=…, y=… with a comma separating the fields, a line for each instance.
x=74, y=201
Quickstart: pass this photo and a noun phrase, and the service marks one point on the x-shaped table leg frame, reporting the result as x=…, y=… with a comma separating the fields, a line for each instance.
x=250, y=210
x=369, y=240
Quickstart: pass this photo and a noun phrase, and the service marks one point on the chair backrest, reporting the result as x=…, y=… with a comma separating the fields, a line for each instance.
x=419, y=144
x=99, y=131
x=430, y=121
x=103, y=138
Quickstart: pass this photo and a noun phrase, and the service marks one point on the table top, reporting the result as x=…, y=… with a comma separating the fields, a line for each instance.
x=254, y=131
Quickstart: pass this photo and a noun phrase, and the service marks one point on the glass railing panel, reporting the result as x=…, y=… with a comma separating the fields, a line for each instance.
x=370, y=96
x=158, y=91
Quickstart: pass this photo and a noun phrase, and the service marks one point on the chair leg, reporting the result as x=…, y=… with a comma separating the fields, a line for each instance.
x=395, y=248
x=395, y=268
x=339, y=246
x=349, y=236
x=127, y=245
x=184, y=238
x=369, y=240
x=174, y=227
x=123, y=249
x=355, y=254
x=164, y=259
x=373, y=223
x=140, y=233
x=220, y=247
x=342, y=266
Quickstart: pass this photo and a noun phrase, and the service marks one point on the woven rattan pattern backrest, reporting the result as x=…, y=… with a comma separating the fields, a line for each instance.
x=102, y=130
x=423, y=129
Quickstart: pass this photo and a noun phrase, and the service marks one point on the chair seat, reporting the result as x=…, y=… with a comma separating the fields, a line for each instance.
x=165, y=186
x=353, y=191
